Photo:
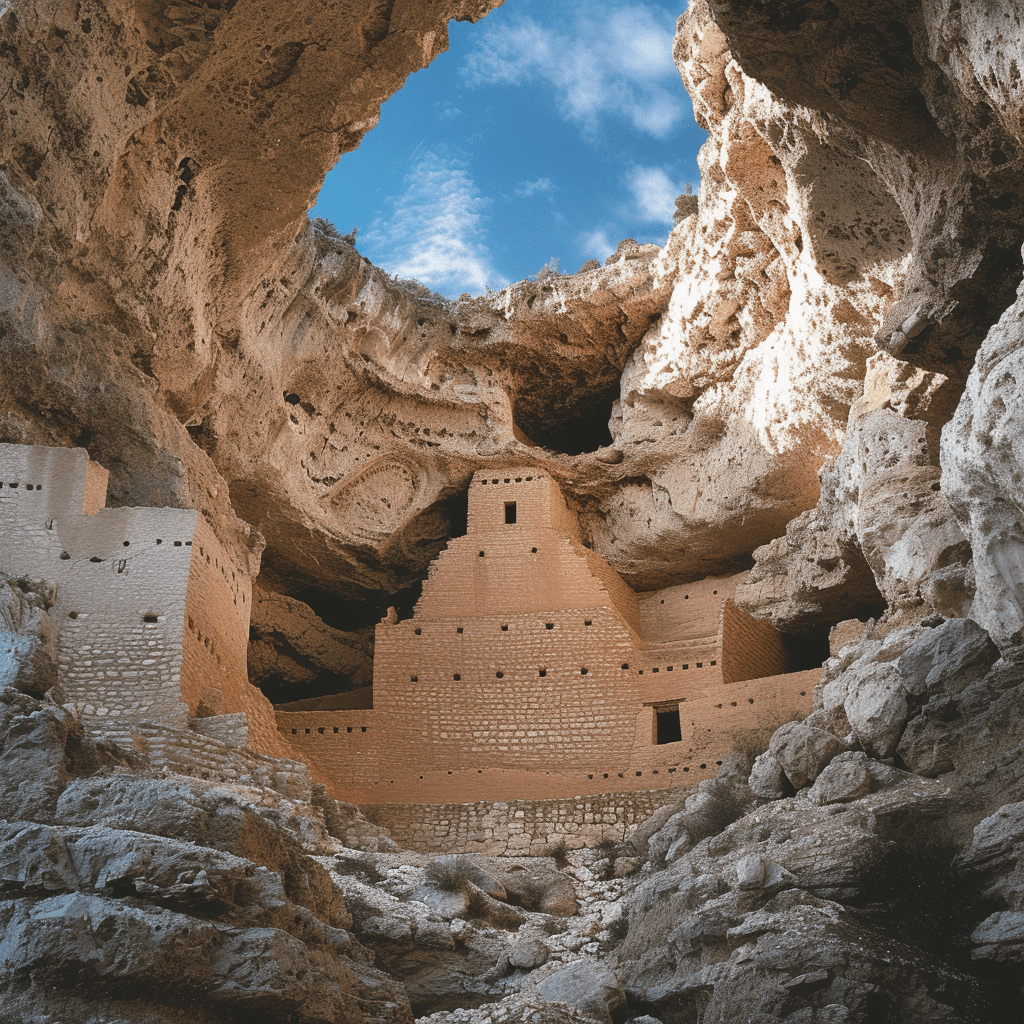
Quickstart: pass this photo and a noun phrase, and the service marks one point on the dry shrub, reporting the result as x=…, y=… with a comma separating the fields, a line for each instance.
x=771, y=715
x=715, y=815
x=452, y=873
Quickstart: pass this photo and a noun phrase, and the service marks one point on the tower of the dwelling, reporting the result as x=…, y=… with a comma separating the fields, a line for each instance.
x=516, y=657
x=151, y=614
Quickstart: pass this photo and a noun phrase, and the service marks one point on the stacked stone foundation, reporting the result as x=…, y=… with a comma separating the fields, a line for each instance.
x=524, y=828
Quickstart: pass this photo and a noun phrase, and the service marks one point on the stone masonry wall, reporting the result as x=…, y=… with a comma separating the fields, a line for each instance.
x=518, y=827
x=151, y=617
x=121, y=577
x=190, y=752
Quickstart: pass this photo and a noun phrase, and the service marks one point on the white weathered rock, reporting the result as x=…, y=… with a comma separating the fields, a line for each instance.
x=956, y=653
x=32, y=739
x=588, y=986
x=847, y=777
x=528, y=952
x=876, y=706
x=803, y=751
x=768, y=778
x=982, y=465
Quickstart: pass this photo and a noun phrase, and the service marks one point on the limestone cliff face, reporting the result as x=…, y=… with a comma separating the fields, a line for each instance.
x=166, y=303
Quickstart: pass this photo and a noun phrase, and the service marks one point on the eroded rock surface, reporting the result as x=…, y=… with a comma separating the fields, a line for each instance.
x=167, y=305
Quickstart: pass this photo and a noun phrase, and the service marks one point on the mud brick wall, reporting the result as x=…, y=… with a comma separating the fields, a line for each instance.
x=348, y=747
x=534, y=564
x=523, y=672
x=750, y=647
x=359, y=753
x=519, y=827
x=508, y=691
x=685, y=613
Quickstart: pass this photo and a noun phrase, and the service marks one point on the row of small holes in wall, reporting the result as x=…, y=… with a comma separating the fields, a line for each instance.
x=126, y=543
x=457, y=676
x=671, y=668
x=204, y=640
x=750, y=700
x=507, y=480
x=504, y=629
x=686, y=597
x=605, y=775
x=216, y=563
x=322, y=730
x=655, y=771
x=28, y=487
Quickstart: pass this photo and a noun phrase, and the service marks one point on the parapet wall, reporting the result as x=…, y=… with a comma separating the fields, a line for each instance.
x=372, y=762
x=205, y=756
x=533, y=828
x=688, y=612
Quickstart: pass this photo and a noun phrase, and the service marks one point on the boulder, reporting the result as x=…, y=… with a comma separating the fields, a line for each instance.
x=1000, y=937
x=32, y=741
x=587, y=986
x=447, y=904
x=846, y=778
x=803, y=751
x=768, y=778
x=928, y=744
x=528, y=952
x=876, y=706
x=949, y=656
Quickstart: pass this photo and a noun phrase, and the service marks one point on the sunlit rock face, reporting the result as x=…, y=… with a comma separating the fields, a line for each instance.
x=982, y=473
x=157, y=264
x=782, y=274
x=929, y=118
x=924, y=102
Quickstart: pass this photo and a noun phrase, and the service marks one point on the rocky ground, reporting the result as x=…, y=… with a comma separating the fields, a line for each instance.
x=865, y=867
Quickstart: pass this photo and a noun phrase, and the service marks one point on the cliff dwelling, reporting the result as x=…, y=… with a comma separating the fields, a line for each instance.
x=151, y=615
x=530, y=669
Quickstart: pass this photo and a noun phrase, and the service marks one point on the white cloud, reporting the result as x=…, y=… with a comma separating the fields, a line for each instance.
x=527, y=189
x=435, y=231
x=609, y=58
x=597, y=245
x=654, y=194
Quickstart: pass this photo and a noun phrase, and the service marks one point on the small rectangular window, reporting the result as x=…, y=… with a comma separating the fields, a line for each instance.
x=668, y=727
x=510, y=512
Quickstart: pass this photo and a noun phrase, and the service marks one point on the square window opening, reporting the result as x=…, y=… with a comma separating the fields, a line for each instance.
x=668, y=729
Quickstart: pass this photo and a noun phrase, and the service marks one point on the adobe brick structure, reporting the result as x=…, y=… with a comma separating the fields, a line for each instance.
x=530, y=670
x=151, y=615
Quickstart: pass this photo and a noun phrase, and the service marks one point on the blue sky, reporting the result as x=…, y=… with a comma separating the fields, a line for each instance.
x=544, y=131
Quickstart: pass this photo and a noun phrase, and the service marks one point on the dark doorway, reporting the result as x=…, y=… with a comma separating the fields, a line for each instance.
x=669, y=729
x=510, y=512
